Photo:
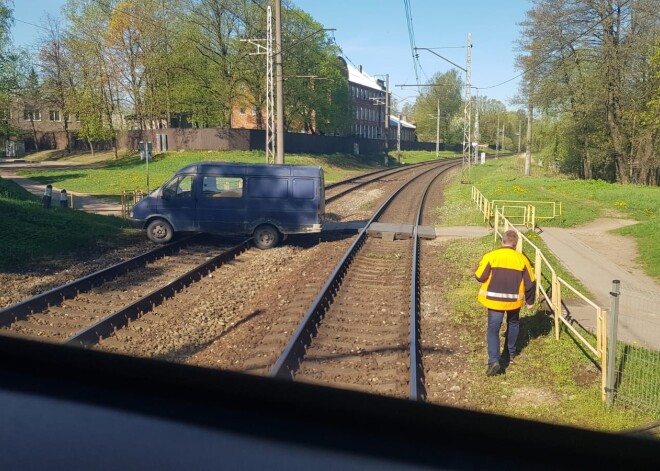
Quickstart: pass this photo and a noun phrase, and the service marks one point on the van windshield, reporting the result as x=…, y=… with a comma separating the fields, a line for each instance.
x=179, y=187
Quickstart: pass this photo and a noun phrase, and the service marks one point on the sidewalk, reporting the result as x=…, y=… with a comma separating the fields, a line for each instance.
x=639, y=314
x=81, y=201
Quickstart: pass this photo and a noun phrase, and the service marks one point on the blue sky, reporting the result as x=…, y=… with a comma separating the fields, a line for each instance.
x=374, y=34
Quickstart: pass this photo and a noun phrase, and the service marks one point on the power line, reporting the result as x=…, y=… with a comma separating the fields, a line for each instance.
x=411, y=37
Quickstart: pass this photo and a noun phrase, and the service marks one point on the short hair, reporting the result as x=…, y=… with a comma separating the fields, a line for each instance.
x=510, y=237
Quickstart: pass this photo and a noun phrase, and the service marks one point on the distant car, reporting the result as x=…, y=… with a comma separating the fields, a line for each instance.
x=265, y=201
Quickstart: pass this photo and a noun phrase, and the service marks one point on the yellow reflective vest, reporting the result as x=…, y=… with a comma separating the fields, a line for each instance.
x=507, y=280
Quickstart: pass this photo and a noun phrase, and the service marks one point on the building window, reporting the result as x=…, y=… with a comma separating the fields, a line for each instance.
x=241, y=111
x=54, y=115
x=31, y=115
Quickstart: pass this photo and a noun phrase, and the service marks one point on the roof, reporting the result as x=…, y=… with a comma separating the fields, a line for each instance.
x=394, y=121
x=364, y=79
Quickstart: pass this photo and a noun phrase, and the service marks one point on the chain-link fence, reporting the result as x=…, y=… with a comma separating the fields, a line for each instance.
x=636, y=378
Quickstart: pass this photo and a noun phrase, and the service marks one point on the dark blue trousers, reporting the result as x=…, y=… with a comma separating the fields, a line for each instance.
x=513, y=327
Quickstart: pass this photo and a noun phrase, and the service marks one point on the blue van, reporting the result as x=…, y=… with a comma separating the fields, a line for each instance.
x=265, y=201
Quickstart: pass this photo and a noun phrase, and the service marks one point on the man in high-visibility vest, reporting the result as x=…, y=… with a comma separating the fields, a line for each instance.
x=507, y=283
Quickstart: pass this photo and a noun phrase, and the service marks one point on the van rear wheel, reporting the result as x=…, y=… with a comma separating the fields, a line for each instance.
x=266, y=236
x=160, y=231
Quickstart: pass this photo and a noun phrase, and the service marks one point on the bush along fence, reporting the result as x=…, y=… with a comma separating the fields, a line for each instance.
x=626, y=338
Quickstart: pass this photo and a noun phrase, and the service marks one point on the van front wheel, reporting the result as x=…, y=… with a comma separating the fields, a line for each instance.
x=160, y=231
x=266, y=236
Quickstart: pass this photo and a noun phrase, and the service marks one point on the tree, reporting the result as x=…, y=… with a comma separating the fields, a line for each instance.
x=590, y=65
x=9, y=69
x=95, y=99
x=445, y=94
x=316, y=90
x=31, y=99
x=56, y=70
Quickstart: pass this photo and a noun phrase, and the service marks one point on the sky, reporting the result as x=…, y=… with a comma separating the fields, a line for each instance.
x=374, y=34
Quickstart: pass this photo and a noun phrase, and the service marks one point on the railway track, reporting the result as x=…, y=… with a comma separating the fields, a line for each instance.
x=336, y=190
x=62, y=315
x=362, y=330
x=93, y=307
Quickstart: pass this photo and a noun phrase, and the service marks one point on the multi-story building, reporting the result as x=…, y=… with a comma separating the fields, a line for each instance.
x=368, y=102
x=43, y=119
x=368, y=96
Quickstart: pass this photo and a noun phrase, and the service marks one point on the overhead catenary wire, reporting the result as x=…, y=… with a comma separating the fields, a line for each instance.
x=411, y=37
x=540, y=61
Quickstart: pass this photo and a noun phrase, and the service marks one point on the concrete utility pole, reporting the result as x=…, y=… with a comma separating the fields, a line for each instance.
x=519, y=133
x=279, y=133
x=476, y=128
x=437, y=133
x=528, y=149
x=497, y=137
x=387, y=112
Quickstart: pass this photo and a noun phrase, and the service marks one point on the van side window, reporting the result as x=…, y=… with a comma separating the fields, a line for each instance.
x=265, y=187
x=180, y=187
x=222, y=187
x=303, y=188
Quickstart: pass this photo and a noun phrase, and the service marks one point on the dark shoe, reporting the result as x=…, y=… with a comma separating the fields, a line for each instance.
x=493, y=369
x=512, y=357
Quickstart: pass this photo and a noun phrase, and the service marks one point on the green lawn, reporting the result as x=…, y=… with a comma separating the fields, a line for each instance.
x=130, y=173
x=32, y=234
x=582, y=201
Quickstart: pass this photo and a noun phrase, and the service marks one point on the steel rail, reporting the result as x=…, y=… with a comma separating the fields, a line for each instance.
x=291, y=357
x=386, y=172
x=55, y=296
x=417, y=388
x=91, y=335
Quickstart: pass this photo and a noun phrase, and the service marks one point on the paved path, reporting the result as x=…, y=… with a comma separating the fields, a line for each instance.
x=82, y=201
x=639, y=303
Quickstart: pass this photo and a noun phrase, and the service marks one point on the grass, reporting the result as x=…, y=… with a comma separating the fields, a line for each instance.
x=582, y=200
x=129, y=172
x=417, y=156
x=32, y=234
x=551, y=381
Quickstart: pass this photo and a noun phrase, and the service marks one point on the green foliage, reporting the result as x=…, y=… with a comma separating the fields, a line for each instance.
x=445, y=95
x=597, y=99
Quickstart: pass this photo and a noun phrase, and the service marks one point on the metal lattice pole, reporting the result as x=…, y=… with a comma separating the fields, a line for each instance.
x=467, y=114
x=271, y=150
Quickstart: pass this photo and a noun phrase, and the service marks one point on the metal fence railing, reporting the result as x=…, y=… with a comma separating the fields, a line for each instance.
x=520, y=212
x=630, y=367
x=635, y=381
x=554, y=289
x=128, y=200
